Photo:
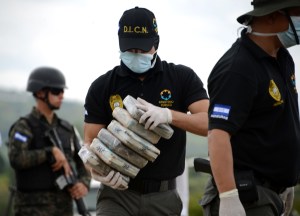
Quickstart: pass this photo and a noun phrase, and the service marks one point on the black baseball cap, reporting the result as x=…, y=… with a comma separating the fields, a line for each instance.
x=137, y=29
x=264, y=7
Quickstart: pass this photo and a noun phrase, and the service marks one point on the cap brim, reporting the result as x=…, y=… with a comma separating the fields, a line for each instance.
x=256, y=13
x=267, y=10
x=144, y=44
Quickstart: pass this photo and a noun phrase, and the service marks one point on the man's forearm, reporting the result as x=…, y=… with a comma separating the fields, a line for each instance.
x=194, y=123
x=221, y=160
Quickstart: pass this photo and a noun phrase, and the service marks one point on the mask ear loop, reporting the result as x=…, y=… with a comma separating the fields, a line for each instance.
x=293, y=27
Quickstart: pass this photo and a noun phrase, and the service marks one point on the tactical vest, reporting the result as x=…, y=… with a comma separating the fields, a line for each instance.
x=41, y=177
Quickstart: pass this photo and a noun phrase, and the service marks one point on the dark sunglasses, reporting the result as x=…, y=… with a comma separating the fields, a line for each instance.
x=56, y=91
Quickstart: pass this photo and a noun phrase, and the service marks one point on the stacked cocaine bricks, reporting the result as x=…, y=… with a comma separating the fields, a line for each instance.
x=125, y=146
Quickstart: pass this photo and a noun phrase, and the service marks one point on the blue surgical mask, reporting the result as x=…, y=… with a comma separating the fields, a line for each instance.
x=138, y=62
x=287, y=38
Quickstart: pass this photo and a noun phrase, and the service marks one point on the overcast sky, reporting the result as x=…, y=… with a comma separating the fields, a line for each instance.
x=79, y=37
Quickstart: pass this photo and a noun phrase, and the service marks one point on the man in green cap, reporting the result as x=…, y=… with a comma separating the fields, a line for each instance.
x=254, y=128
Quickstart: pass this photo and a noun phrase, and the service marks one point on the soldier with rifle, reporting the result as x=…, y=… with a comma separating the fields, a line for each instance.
x=43, y=153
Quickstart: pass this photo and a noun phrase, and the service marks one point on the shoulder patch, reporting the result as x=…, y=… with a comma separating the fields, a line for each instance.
x=20, y=137
x=220, y=111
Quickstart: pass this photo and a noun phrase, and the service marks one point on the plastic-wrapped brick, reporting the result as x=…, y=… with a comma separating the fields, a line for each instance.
x=112, y=159
x=123, y=116
x=120, y=149
x=133, y=141
x=91, y=160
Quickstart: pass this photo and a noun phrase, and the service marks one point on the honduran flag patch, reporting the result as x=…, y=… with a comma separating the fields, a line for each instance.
x=220, y=111
x=20, y=137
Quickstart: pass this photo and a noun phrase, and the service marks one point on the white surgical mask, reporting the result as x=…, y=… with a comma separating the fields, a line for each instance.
x=287, y=38
x=138, y=62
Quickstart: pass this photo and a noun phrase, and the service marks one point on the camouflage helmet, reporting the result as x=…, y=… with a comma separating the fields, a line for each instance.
x=44, y=77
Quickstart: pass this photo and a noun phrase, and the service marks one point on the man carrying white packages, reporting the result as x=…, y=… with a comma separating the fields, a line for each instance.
x=136, y=119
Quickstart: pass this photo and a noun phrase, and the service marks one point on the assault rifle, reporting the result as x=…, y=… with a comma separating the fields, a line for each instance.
x=64, y=181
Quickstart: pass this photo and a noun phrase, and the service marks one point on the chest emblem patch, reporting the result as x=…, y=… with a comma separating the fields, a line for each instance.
x=166, y=100
x=115, y=101
x=275, y=93
x=165, y=94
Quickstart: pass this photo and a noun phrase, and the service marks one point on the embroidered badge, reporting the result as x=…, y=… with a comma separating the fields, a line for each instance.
x=115, y=101
x=166, y=96
x=275, y=93
x=220, y=111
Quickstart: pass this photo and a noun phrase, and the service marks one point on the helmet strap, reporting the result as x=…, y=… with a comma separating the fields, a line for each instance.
x=50, y=105
x=46, y=100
